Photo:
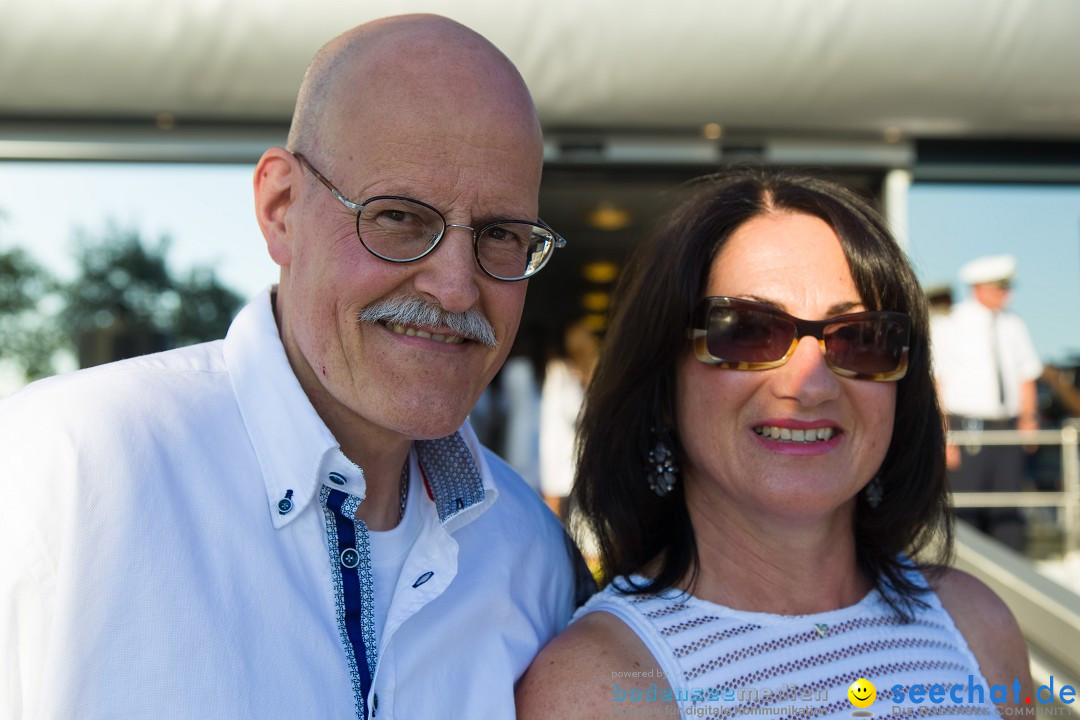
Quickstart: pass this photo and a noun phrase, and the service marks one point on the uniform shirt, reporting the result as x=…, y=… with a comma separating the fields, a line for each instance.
x=965, y=366
x=150, y=568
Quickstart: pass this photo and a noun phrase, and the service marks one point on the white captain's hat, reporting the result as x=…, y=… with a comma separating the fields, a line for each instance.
x=989, y=269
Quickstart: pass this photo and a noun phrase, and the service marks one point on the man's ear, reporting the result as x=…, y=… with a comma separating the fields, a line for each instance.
x=274, y=196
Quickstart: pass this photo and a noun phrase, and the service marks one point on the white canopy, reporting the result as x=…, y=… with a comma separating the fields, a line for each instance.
x=918, y=68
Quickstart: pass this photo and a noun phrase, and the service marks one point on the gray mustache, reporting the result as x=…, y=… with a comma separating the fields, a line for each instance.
x=411, y=310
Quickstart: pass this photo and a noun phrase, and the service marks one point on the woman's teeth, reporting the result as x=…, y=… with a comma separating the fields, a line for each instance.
x=413, y=332
x=788, y=435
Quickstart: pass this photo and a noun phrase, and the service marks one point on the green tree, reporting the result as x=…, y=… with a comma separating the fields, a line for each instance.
x=124, y=301
x=206, y=309
x=27, y=335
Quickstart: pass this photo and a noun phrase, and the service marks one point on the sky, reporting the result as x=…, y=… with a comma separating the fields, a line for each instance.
x=207, y=211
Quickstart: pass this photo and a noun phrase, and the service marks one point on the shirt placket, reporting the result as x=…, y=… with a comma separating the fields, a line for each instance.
x=349, y=549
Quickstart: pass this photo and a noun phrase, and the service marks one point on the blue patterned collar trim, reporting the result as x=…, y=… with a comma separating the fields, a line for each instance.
x=450, y=473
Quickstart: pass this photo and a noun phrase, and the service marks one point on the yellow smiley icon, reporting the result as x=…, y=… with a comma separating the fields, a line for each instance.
x=862, y=693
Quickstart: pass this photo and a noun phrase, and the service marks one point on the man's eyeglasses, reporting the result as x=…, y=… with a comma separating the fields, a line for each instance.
x=746, y=335
x=401, y=230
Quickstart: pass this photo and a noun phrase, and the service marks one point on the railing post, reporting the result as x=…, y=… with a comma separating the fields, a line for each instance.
x=1070, y=478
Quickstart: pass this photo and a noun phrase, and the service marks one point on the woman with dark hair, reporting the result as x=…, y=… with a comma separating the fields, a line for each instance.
x=761, y=463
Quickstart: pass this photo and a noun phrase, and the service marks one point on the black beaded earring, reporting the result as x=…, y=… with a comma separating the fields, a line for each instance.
x=661, y=469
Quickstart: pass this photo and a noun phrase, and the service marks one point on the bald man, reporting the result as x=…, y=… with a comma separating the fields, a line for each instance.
x=297, y=521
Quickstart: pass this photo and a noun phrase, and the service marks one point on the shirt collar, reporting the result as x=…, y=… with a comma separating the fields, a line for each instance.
x=288, y=436
x=298, y=454
x=456, y=477
x=977, y=309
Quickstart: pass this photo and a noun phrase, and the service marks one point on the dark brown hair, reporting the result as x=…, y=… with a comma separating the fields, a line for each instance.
x=633, y=388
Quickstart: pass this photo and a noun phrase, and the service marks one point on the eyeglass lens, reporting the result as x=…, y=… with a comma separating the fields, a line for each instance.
x=757, y=337
x=400, y=229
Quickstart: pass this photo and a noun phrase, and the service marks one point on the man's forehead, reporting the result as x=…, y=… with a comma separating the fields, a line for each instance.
x=405, y=142
x=412, y=59
x=418, y=74
x=487, y=185
x=424, y=107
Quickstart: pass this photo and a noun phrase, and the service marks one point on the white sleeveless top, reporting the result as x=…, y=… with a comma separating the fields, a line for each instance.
x=721, y=662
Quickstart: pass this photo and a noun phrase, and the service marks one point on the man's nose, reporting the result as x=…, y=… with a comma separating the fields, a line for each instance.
x=450, y=275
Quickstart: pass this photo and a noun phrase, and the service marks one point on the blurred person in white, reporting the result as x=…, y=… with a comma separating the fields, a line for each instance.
x=565, y=380
x=297, y=521
x=986, y=367
x=520, y=387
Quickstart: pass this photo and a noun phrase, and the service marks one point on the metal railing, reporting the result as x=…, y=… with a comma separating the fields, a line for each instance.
x=1048, y=613
x=1068, y=499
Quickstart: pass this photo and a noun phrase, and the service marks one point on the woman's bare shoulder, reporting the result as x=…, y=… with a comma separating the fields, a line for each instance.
x=987, y=625
x=582, y=671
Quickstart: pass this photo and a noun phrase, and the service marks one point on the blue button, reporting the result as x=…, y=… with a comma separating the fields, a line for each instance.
x=423, y=579
x=284, y=505
x=337, y=478
x=350, y=558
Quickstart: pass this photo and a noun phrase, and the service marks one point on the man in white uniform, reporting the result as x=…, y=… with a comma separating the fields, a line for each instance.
x=986, y=368
x=294, y=521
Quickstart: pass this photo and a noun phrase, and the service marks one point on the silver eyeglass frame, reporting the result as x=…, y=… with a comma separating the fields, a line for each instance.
x=559, y=240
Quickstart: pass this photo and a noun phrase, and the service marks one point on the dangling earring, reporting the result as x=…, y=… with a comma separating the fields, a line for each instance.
x=661, y=470
x=874, y=490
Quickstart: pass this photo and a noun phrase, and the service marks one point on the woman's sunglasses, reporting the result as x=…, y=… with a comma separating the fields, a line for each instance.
x=747, y=335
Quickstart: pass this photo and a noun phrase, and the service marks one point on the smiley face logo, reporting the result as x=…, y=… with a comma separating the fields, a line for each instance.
x=862, y=693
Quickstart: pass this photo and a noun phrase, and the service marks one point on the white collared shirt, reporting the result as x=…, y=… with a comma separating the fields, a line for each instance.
x=965, y=367
x=147, y=569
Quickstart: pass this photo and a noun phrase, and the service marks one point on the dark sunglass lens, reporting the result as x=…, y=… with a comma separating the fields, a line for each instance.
x=745, y=335
x=868, y=347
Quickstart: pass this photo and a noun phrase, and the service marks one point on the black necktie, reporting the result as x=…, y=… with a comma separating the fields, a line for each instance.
x=995, y=354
